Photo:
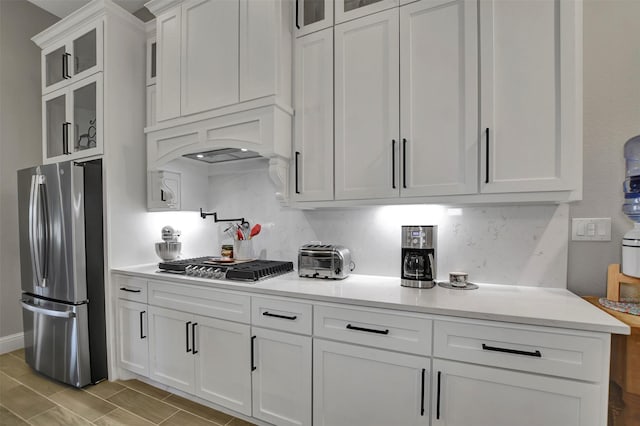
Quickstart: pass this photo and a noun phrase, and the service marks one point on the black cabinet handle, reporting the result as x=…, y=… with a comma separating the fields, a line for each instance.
x=193, y=337
x=287, y=317
x=162, y=195
x=368, y=330
x=297, y=24
x=404, y=163
x=438, y=397
x=297, y=156
x=535, y=353
x=393, y=163
x=187, y=335
x=142, y=335
x=65, y=65
x=253, y=367
x=486, y=178
x=422, y=395
x=129, y=290
x=65, y=138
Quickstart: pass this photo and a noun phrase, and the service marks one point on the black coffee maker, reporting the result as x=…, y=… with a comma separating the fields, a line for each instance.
x=418, y=256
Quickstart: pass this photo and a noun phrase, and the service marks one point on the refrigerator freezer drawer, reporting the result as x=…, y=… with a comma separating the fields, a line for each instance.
x=57, y=340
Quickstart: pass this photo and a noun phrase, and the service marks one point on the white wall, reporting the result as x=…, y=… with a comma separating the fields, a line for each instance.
x=611, y=117
x=20, y=137
x=525, y=245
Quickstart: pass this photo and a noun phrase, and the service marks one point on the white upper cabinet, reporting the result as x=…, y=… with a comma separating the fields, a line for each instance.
x=530, y=114
x=209, y=68
x=313, y=15
x=72, y=121
x=438, y=98
x=313, y=143
x=214, y=54
x=367, y=107
x=73, y=58
x=352, y=9
x=168, y=65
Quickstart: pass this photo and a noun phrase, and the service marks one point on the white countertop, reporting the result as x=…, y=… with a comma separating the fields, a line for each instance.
x=517, y=304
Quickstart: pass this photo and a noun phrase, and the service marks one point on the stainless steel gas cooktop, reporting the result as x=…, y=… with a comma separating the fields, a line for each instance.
x=220, y=268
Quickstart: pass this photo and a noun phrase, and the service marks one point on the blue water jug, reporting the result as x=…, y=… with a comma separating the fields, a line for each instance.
x=631, y=206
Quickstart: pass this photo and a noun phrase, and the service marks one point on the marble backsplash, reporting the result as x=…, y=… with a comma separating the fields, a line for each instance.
x=523, y=245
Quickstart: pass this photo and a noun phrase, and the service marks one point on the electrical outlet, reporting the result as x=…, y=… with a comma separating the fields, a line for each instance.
x=591, y=229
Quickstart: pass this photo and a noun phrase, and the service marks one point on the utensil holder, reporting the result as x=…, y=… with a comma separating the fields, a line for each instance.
x=243, y=249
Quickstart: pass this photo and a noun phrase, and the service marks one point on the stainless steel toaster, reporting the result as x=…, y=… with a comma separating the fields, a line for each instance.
x=317, y=260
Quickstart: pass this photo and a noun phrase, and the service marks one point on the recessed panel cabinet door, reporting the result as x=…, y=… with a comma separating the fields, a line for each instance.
x=356, y=385
x=223, y=363
x=531, y=95
x=313, y=156
x=133, y=335
x=171, y=348
x=484, y=396
x=438, y=98
x=367, y=107
x=168, y=65
x=210, y=62
x=282, y=377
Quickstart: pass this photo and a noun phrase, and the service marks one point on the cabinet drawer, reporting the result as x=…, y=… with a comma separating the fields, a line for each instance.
x=378, y=328
x=202, y=301
x=281, y=314
x=557, y=352
x=130, y=288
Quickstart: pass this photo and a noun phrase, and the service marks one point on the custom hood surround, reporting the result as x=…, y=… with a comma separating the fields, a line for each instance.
x=223, y=84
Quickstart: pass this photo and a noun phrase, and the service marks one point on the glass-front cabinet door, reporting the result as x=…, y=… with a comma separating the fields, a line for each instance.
x=352, y=9
x=73, y=58
x=313, y=15
x=72, y=121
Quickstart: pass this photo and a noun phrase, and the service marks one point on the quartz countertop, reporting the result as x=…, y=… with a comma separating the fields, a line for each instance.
x=549, y=307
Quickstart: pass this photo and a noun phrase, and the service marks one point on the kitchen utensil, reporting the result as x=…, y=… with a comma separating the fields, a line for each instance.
x=239, y=234
x=458, y=279
x=255, y=230
x=168, y=250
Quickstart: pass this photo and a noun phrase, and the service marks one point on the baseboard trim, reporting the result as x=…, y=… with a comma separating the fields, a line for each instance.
x=11, y=343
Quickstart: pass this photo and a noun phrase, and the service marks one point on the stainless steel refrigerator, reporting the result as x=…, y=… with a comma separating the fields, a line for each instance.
x=62, y=270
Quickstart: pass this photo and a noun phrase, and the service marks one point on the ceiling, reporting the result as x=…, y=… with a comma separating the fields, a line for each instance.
x=62, y=8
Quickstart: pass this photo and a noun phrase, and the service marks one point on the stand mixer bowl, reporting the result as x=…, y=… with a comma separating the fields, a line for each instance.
x=168, y=250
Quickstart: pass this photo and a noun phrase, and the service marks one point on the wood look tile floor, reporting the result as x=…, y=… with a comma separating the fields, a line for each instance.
x=28, y=398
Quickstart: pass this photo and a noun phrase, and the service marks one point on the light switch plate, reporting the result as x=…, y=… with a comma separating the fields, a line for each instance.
x=591, y=229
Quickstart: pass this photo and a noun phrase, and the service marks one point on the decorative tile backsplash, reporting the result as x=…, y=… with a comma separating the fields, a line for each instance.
x=523, y=245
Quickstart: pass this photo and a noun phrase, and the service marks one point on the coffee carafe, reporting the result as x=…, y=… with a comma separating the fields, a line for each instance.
x=418, y=256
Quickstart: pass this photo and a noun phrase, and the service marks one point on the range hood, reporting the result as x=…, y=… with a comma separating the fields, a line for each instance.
x=223, y=155
x=261, y=131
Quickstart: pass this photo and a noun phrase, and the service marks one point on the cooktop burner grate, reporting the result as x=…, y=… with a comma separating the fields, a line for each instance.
x=215, y=267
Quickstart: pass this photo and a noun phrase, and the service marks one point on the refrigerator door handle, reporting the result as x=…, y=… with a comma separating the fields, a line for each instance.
x=39, y=229
x=47, y=312
x=33, y=229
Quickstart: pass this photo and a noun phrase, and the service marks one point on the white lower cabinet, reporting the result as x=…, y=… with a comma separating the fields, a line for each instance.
x=356, y=385
x=133, y=337
x=203, y=356
x=466, y=394
x=281, y=369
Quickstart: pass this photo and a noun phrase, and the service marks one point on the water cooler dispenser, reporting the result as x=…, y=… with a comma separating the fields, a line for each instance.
x=631, y=207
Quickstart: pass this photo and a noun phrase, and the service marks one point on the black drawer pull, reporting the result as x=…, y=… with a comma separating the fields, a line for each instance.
x=422, y=394
x=438, y=397
x=287, y=317
x=536, y=353
x=129, y=290
x=368, y=330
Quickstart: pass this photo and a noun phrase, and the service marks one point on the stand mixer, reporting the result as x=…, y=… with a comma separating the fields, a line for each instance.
x=170, y=248
x=631, y=207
